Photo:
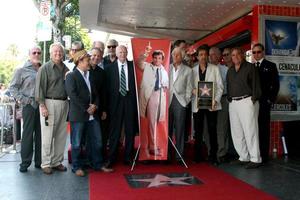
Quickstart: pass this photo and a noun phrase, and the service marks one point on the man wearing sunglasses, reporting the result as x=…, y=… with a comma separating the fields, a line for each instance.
x=75, y=47
x=22, y=87
x=111, y=56
x=269, y=85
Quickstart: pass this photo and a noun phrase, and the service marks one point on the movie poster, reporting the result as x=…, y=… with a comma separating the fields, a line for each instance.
x=282, y=46
x=288, y=99
x=151, y=59
x=282, y=38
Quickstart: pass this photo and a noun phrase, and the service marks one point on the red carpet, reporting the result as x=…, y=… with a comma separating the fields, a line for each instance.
x=216, y=185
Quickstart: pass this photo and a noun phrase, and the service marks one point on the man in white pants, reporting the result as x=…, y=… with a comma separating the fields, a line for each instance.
x=243, y=87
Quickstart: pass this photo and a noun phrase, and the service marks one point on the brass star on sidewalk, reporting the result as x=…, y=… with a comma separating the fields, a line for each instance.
x=160, y=179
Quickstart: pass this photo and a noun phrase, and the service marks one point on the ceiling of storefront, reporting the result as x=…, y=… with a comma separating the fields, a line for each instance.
x=174, y=19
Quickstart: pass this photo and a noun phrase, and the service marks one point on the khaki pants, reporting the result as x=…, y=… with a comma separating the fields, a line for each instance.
x=54, y=135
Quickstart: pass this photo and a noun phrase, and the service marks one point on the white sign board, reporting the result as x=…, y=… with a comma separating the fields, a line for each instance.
x=44, y=30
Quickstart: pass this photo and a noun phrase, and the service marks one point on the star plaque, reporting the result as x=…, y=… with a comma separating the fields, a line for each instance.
x=153, y=180
x=205, y=94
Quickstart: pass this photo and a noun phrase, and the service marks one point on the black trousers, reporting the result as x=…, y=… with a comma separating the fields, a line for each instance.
x=264, y=129
x=124, y=114
x=104, y=124
x=211, y=118
x=31, y=137
x=177, y=116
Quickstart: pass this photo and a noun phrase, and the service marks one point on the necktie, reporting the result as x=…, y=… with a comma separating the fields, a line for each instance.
x=257, y=64
x=156, y=87
x=123, y=82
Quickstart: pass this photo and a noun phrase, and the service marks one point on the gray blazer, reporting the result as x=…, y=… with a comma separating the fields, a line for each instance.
x=213, y=75
x=182, y=87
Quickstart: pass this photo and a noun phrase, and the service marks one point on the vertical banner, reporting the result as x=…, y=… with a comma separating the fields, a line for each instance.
x=151, y=60
x=282, y=44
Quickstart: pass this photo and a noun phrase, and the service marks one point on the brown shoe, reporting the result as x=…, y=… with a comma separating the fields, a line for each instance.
x=79, y=172
x=60, y=168
x=47, y=170
x=106, y=169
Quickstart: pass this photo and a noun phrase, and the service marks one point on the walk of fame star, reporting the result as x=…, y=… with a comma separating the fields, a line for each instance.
x=159, y=180
x=205, y=90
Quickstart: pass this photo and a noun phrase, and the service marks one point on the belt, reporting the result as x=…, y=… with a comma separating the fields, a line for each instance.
x=240, y=98
x=57, y=98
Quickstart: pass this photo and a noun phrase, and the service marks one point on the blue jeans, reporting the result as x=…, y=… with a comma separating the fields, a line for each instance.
x=91, y=130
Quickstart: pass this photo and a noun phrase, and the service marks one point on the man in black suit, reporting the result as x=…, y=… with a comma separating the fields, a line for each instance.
x=122, y=106
x=99, y=81
x=82, y=115
x=269, y=85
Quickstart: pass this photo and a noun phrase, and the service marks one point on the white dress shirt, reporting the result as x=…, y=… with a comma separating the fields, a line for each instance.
x=86, y=78
x=126, y=72
x=175, y=72
x=70, y=65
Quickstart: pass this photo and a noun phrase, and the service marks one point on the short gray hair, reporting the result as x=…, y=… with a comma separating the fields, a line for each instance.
x=57, y=44
x=180, y=50
x=34, y=47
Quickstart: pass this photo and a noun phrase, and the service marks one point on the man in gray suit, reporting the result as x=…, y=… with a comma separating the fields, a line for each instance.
x=181, y=86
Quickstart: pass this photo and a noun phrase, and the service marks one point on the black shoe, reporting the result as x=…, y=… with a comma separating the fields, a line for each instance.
x=23, y=169
x=37, y=166
x=198, y=160
x=252, y=165
x=127, y=162
x=238, y=162
x=108, y=164
x=223, y=159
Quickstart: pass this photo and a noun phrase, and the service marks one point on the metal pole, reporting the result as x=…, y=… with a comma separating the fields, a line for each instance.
x=44, y=56
x=14, y=129
x=177, y=152
x=2, y=129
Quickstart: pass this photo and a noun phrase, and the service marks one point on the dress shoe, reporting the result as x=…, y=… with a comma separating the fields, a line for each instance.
x=47, y=170
x=23, y=169
x=127, y=162
x=106, y=170
x=238, y=162
x=253, y=165
x=37, y=166
x=80, y=172
x=223, y=159
x=60, y=168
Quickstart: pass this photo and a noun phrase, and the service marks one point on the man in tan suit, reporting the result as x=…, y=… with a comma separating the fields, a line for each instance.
x=152, y=95
x=181, y=86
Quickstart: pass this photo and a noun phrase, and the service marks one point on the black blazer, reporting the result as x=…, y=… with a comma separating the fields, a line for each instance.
x=80, y=97
x=98, y=78
x=113, y=94
x=269, y=79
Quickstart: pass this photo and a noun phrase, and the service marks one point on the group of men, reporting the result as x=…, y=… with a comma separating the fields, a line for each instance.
x=97, y=95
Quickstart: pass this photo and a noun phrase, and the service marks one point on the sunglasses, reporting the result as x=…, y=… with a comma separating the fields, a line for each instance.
x=225, y=54
x=111, y=47
x=256, y=52
x=36, y=53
